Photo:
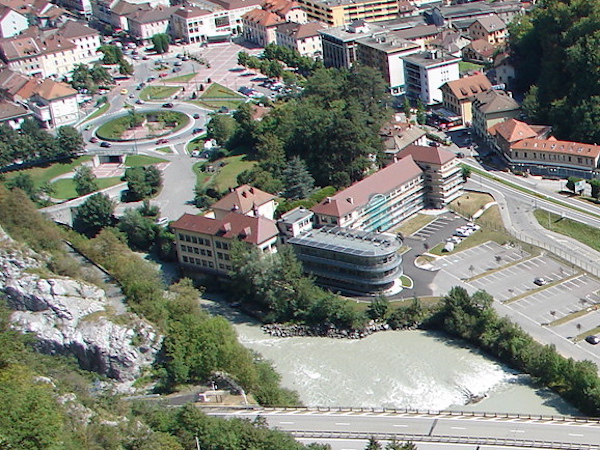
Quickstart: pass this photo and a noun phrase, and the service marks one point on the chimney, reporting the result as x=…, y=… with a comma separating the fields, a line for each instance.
x=350, y=200
x=251, y=190
x=328, y=200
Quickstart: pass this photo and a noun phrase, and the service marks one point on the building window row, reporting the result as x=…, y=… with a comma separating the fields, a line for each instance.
x=198, y=262
x=196, y=250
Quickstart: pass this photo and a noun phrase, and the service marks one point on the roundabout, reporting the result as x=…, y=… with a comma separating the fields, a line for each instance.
x=142, y=125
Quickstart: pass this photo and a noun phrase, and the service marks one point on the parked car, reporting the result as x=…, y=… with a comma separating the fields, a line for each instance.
x=162, y=141
x=93, y=139
x=150, y=79
x=162, y=221
x=139, y=101
x=197, y=130
x=162, y=75
x=178, y=63
x=167, y=105
x=540, y=281
x=196, y=116
x=105, y=144
x=131, y=95
x=176, y=69
x=592, y=339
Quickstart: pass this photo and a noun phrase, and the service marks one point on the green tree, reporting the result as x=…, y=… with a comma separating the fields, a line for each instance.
x=100, y=75
x=24, y=182
x=595, y=185
x=94, y=214
x=465, y=172
x=85, y=180
x=373, y=444
x=112, y=54
x=161, y=42
x=142, y=182
x=81, y=78
x=243, y=58
x=221, y=128
x=69, y=141
x=125, y=68
x=297, y=180
x=141, y=231
x=421, y=116
x=407, y=108
x=571, y=183
x=378, y=308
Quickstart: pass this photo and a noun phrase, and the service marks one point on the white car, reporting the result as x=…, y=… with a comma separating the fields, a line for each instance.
x=162, y=221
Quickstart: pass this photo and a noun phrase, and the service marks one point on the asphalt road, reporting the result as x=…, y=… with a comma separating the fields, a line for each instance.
x=490, y=431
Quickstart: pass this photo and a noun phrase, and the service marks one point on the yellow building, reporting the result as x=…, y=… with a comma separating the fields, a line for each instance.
x=339, y=12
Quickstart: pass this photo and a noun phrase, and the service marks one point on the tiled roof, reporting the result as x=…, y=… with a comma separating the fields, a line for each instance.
x=301, y=31
x=281, y=7
x=427, y=154
x=420, y=31
x=123, y=8
x=254, y=230
x=555, y=146
x=483, y=47
x=236, y=4
x=51, y=90
x=11, y=82
x=9, y=110
x=495, y=101
x=359, y=194
x=74, y=29
x=264, y=18
x=243, y=199
x=512, y=130
x=491, y=23
x=158, y=14
x=468, y=87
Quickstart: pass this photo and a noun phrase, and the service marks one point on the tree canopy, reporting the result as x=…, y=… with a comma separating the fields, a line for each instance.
x=557, y=53
x=161, y=42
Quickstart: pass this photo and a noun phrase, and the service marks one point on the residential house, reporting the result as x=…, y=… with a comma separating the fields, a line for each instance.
x=385, y=51
x=228, y=13
x=13, y=115
x=246, y=200
x=115, y=12
x=442, y=173
x=305, y=38
x=203, y=244
x=192, y=25
x=450, y=41
x=426, y=72
x=351, y=261
x=11, y=22
x=553, y=158
x=489, y=28
x=479, y=51
x=458, y=95
x=339, y=43
x=82, y=8
x=461, y=15
x=490, y=108
x=504, y=69
x=145, y=24
x=51, y=54
x=287, y=9
x=10, y=84
x=396, y=136
x=342, y=12
x=260, y=24
x=54, y=104
x=510, y=131
x=378, y=202
x=420, y=34
x=294, y=223
x=41, y=13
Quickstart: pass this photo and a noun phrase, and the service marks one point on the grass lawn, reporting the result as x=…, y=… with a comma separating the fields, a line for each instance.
x=115, y=128
x=181, y=78
x=65, y=187
x=142, y=160
x=158, y=92
x=414, y=224
x=43, y=174
x=226, y=176
x=469, y=203
x=466, y=66
x=217, y=95
x=103, y=108
x=585, y=234
x=164, y=150
x=196, y=144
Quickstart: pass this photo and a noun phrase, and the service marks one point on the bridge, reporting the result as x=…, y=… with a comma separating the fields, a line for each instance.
x=349, y=428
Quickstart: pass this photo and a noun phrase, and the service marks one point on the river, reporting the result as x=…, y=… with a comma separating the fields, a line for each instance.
x=396, y=369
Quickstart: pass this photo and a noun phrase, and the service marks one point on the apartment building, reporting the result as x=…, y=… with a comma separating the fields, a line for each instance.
x=335, y=13
x=378, y=202
x=426, y=72
x=490, y=108
x=11, y=22
x=489, y=28
x=396, y=136
x=458, y=95
x=54, y=104
x=204, y=244
x=227, y=14
x=193, y=25
x=385, y=51
x=442, y=173
x=260, y=24
x=246, y=200
x=339, y=43
x=351, y=261
x=145, y=24
x=13, y=115
x=305, y=38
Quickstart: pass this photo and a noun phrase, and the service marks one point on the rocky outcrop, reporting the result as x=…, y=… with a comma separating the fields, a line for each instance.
x=69, y=316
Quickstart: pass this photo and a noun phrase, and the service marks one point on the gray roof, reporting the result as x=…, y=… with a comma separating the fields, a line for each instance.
x=349, y=241
x=495, y=101
x=342, y=33
x=296, y=215
x=387, y=42
x=429, y=59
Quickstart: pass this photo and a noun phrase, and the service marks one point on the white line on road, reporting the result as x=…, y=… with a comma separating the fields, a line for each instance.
x=286, y=423
x=342, y=423
x=403, y=426
x=458, y=428
x=575, y=434
x=517, y=431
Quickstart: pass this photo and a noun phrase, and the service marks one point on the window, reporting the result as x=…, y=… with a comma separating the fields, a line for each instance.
x=218, y=244
x=184, y=259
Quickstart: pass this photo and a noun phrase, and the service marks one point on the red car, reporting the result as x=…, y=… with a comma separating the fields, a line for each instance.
x=93, y=139
x=162, y=141
x=162, y=75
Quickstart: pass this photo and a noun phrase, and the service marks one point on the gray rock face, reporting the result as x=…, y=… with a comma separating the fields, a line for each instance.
x=73, y=317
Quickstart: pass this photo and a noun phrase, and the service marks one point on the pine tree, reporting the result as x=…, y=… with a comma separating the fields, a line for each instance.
x=297, y=180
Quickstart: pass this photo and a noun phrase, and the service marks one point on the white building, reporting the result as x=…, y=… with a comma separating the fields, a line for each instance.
x=11, y=22
x=194, y=24
x=145, y=24
x=54, y=104
x=302, y=37
x=426, y=72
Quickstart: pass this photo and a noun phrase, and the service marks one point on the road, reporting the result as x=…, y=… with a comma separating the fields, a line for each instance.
x=468, y=431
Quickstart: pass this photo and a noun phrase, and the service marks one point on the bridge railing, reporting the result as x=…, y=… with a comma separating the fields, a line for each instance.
x=506, y=442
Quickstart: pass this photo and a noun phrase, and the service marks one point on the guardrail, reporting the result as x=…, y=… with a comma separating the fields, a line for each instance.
x=417, y=412
x=506, y=442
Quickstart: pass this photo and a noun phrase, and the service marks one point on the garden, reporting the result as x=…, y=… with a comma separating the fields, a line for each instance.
x=142, y=125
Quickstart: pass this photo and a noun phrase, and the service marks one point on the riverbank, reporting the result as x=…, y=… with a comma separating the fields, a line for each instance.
x=282, y=330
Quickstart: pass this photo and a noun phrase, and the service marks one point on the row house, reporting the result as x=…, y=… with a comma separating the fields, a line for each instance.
x=302, y=37
x=260, y=24
x=458, y=95
x=51, y=54
x=450, y=41
x=510, y=131
x=385, y=51
x=227, y=14
x=466, y=13
x=145, y=24
x=246, y=200
x=13, y=115
x=116, y=12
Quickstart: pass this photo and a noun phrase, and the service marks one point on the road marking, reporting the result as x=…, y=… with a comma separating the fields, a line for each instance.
x=575, y=434
x=403, y=426
x=286, y=423
x=458, y=428
x=342, y=423
x=517, y=431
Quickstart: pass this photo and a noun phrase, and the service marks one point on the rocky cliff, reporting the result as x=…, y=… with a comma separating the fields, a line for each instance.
x=69, y=316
